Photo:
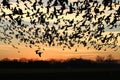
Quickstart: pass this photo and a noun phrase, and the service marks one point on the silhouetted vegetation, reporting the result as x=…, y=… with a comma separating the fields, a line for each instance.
x=72, y=69
x=70, y=63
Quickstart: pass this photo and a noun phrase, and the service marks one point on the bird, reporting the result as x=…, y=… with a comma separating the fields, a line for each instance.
x=38, y=52
x=34, y=5
x=55, y=3
x=6, y=3
x=71, y=8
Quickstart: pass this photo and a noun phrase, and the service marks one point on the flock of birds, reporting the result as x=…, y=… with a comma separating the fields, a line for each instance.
x=60, y=23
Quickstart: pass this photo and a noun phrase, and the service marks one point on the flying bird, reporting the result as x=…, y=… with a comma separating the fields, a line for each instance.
x=38, y=52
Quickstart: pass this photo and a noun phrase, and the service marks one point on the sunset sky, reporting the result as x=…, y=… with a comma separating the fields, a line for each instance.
x=56, y=52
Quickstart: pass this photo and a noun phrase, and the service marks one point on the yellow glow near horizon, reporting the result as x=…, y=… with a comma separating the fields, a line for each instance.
x=7, y=51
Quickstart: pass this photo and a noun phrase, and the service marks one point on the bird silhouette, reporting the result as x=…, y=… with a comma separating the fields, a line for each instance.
x=6, y=3
x=34, y=5
x=40, y=2
x=38, y=52
x=55, y=3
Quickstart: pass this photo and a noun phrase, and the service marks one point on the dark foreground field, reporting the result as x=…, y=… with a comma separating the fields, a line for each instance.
x=60, y=74
x=69, y=70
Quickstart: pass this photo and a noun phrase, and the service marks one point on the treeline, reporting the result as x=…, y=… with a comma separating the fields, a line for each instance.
x=71, y=63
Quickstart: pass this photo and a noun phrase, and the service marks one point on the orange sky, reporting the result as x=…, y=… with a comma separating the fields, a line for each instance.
x=7, y=51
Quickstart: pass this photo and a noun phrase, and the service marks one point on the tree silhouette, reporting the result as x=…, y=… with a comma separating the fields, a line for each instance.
x=100, y=59
x=60, y=23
